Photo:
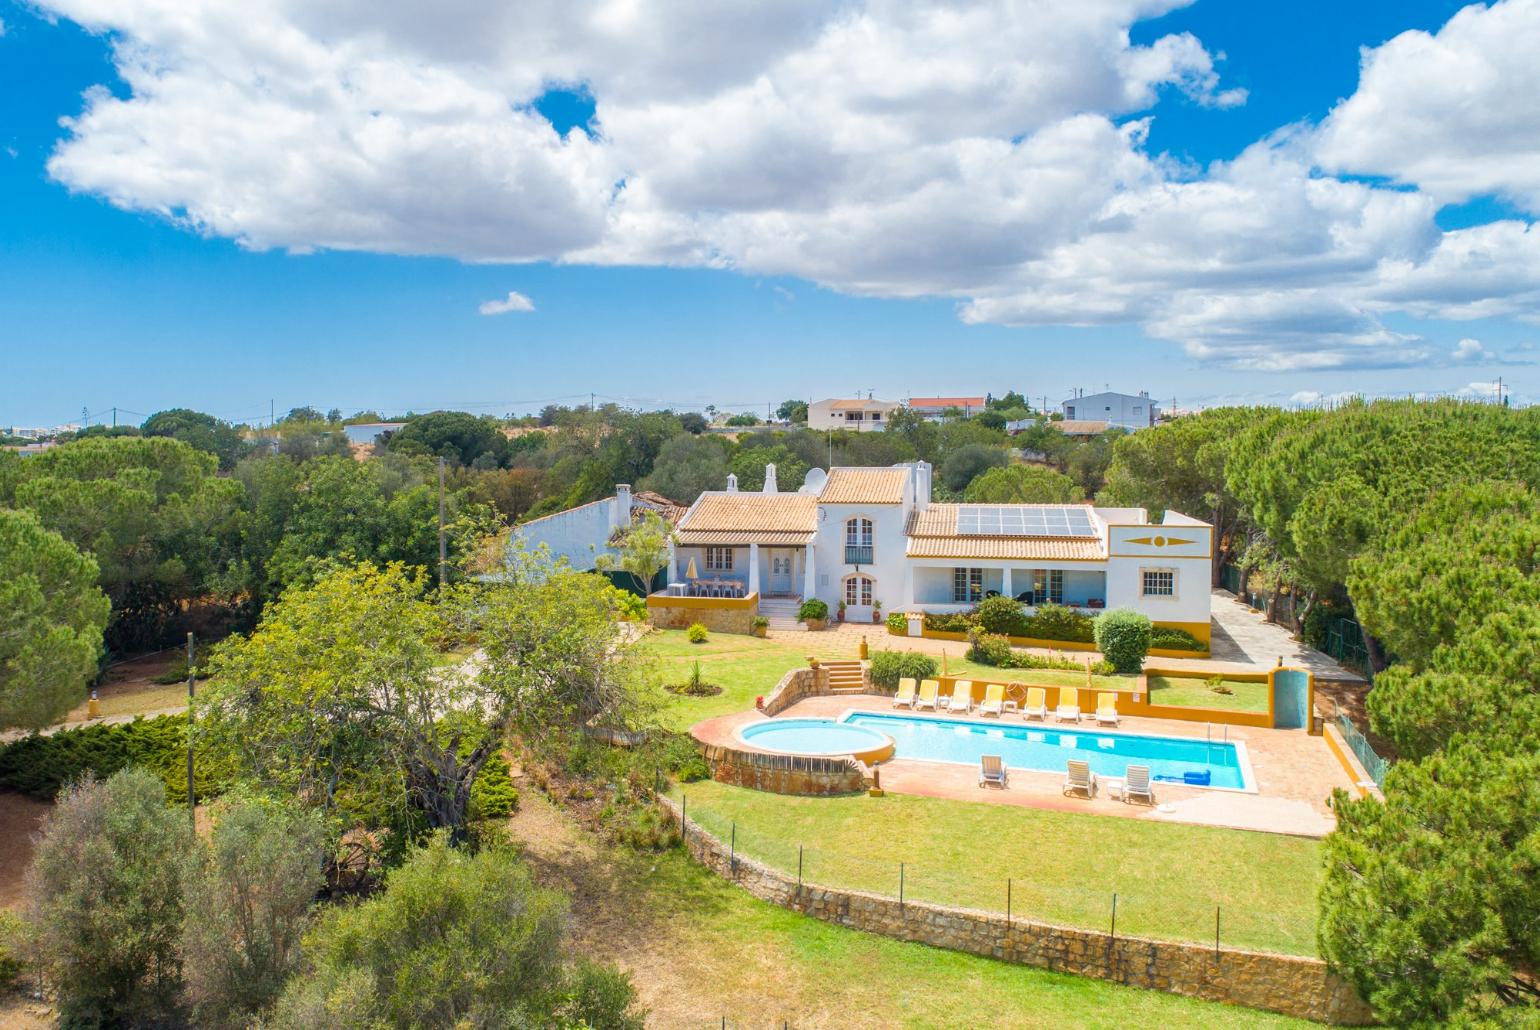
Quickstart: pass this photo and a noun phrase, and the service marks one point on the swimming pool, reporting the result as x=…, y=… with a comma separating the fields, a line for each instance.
x=818, y=737
x=1045, y=748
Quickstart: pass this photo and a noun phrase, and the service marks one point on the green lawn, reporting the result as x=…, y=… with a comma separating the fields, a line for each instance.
x=702, y=950
x=1064, y=866
x=1195, y=693
x=747, y=667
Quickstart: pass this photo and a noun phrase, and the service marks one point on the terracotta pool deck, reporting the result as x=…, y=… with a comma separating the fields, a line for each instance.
x=1293, y=772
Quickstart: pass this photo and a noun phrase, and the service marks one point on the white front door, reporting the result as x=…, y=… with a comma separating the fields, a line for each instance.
x=780, y=571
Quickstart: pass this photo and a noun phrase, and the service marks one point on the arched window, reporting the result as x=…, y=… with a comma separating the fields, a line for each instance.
x=858, y=590
x=858, y=541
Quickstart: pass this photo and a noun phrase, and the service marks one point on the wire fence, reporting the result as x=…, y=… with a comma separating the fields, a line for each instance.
x=1373, y=764
x=1184, y=905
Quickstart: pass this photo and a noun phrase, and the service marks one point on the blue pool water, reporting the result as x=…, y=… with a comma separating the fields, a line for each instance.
x=1026, y=746
x=812, y=736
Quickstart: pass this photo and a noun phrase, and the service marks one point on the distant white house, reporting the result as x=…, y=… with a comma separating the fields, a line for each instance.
x=858, y=414
x=1125, y=411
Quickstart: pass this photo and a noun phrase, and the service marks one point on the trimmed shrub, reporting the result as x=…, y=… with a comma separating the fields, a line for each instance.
x=898, y=623
x=697, y=633
x=812, y=609
x=493, y=795
x=1123, y=636
x=1175, y=639
x=888, y=667
x=1002, y=615
x=1056, y=622
x=953, y=622
x=1102, y=667
x=40, y=767
x=990, y=649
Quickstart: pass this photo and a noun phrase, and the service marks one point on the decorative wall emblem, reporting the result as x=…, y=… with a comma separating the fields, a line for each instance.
x=1158, y=541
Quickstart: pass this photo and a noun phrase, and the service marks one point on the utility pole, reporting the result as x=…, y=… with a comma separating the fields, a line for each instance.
x=192, y=795
x=114, y=416
x=85, y=417
x=443, y=574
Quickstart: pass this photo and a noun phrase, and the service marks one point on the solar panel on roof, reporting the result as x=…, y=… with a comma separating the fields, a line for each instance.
x=1018, y=520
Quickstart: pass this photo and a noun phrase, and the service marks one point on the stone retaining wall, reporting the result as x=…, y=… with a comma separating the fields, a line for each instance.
x=793, y=687
x=717, y=619
x=785, y=774
x=1291, y=985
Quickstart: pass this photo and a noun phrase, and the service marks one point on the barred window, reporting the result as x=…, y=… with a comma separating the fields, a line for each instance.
x=1159, y=582
x=719, y=559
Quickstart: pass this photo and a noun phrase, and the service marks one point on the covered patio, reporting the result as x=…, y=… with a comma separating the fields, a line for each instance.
x=941, y=585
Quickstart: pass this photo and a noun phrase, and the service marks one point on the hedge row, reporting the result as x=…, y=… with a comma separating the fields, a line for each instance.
x=1005, y=616
x=994, y=649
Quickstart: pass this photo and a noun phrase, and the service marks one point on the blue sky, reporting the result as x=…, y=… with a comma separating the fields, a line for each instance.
x=105, y=304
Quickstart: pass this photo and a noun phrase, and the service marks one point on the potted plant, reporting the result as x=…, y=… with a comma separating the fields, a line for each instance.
x=840, y=612
x=876, y=612
x=814, y=613
x=759, y=703
x=761, y=625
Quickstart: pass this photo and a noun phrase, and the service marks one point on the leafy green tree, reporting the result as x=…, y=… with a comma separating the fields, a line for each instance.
x=248, y=895
x=693, y=422
x=105, y=901
x=460, y=437
x=339, y=698
x=161, y=526
x=747, y=418
x=644, y=551
x=749, y=466
x=792, y=411
x=687, y=466
x=1023, y=484
x=454, y=940
x=54, y=616
x=1439, y=571
x=1428, y=905
x=303, y=414
x=205, y=432
x=963, y=465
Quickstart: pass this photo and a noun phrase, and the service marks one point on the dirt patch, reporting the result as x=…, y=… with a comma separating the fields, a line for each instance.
x=130, y=689
x=20, y=818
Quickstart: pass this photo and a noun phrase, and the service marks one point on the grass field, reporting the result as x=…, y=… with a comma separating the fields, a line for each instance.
x=1064, y=866
x=701, y=950
x=1191, y=692
x=746, y=667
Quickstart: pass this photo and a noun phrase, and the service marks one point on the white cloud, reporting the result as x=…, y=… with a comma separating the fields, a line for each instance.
x=1454, y=113
x=990, y=152
x=1469, y=351
x=785, y=294
x=515, y=301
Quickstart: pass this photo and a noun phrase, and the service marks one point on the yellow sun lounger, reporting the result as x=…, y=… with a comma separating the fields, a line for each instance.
x=927, y=697
x=1107, y=708
x=1069, y=705
x=1036, y=705
x=994, y=700
x=905, y=696
x=962, y=696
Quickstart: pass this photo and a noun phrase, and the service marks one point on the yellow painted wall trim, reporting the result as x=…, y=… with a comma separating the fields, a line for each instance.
x=730, y=603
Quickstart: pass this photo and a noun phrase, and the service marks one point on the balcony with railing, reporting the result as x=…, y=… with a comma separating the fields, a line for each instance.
x=858, y=554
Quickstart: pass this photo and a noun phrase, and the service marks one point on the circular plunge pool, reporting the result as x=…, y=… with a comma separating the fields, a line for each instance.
x=818, y=738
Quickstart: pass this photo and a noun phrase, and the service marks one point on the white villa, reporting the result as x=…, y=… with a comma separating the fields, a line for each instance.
x=872, y=536
x=857, y=414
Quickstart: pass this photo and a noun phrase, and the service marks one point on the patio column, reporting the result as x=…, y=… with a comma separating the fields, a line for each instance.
x=1005, y=582
x=753, y=568
x=809, y=574
x=673, y=563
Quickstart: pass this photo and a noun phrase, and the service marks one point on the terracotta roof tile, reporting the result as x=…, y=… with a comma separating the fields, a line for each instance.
x=864, y=486
x=722, y=518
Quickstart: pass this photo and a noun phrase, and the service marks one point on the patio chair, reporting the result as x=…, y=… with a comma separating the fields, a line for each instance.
x=1069, y=705
x=1107, y=708
x=1136, y=780
x=962, y=696
x=927, y=696
x=1079, y=777
x=905, y=696
x=991, y=770
x=1036, y=704
x=994, y=700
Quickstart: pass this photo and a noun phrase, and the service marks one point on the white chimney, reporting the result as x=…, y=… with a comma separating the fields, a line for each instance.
x=770, y=486
x=620, y=514
x=921, y=485
x=732, y=483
